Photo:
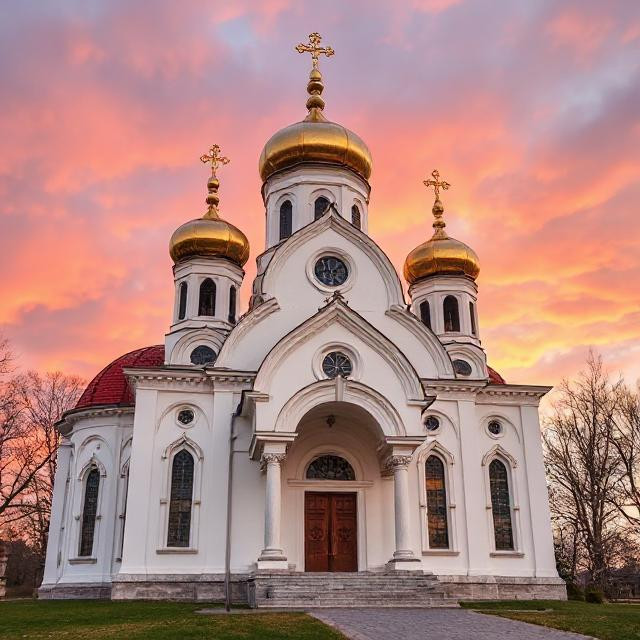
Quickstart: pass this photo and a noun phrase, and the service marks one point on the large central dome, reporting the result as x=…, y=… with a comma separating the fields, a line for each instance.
x=315, y=140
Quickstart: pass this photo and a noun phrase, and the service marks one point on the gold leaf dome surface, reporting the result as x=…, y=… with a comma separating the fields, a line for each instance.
x=315, y=140
x=209, y=237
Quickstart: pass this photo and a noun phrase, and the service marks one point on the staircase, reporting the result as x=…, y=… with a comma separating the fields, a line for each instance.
x=290, y=590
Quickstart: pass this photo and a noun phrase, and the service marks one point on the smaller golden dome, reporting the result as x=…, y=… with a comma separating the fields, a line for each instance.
x=210, y=236
x=440, y=255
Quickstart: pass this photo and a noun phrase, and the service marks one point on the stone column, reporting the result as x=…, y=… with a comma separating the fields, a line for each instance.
x=399, y=465
x=272, y=556
x=3, y=568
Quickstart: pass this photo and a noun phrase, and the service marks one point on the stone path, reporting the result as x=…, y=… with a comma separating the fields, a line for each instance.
x=433, y=624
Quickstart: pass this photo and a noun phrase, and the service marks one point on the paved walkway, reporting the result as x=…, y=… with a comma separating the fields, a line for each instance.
x=433, y=624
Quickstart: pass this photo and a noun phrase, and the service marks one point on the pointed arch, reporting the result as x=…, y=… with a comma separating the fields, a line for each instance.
x=499, y=451
x=183, y=442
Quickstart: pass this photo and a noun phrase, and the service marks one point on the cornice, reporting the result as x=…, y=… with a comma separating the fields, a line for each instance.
x=70, y=418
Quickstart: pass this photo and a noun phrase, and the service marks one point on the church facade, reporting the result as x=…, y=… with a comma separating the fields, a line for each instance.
x=330, y=430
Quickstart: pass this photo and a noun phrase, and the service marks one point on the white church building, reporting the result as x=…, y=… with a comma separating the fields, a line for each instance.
x=332, y=444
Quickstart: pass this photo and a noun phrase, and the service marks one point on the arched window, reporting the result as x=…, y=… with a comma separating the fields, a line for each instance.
x=286, y=223
x=425, y=313
x=232, y=305
x=501, y=505
x=207, y=306
x=181, y=499
x=356, y=219
x=451, y=314
x=89, y=512
x=436, y=504
x=472, y=315
x=182, y=301
x=319, y=207
x=330, y=468
x=202, y=355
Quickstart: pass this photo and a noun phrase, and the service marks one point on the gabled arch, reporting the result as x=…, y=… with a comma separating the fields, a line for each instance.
x=498, y=451
x=338, y=311
x=183, y=442
x=375, y=404
x=93, y=463
x=333, y=220
x=437, y=448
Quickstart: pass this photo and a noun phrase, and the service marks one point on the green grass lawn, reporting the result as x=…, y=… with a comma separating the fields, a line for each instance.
x=98, y=620
x=605, y=621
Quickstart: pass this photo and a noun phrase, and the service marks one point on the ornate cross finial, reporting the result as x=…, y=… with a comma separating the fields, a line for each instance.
x=314, y=48
x=436, y=183
x=214, y=157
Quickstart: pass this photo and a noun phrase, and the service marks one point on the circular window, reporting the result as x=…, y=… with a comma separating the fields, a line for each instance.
x=495, y=428
x=331, y=271
x=186, y=416
x=203, y=355
x=462, y=367
x=336, y=364
x=432, y=423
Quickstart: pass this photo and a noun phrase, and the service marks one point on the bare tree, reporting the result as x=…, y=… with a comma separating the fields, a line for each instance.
x=627, y=443
x=583, y=465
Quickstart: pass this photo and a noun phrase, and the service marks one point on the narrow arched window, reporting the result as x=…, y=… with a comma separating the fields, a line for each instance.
x=181, y=499
x=89, y=512
x=356, y=219
x=425, y=313
x=286, y=222
x=319, y=207
x=207, y=305
x=232, y=305
x=436, y=504
x=472, y=315
x=501, y=506
x=182, y=301
x=451, y=314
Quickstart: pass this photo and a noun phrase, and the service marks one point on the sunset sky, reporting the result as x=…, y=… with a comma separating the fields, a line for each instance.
x=530, y=108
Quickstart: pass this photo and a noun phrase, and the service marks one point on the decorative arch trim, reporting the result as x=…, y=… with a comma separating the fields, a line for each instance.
x=498, y=451
x=183, y=442
x=436, y=448
x=181, y=352
x=93, y=463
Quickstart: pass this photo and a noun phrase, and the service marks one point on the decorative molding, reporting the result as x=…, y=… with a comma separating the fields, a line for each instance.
x=497, y=451
x=397, y=462
x=183, y=442
x=271, y=458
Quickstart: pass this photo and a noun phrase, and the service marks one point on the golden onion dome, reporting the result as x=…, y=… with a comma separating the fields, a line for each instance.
x=210, y=236
x=440, y=255
x=315, y=139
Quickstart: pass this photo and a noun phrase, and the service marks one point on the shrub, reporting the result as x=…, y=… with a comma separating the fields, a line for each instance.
x=574, y=591
x=594, y=595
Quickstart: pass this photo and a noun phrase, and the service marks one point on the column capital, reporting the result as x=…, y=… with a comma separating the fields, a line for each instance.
x=396, y=462
x=269, y=458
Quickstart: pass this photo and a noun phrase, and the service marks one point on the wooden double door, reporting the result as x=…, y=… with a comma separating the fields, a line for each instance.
x=330, y=531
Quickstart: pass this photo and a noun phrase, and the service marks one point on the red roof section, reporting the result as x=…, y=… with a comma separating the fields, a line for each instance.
x=110, y=387
x=495, y=377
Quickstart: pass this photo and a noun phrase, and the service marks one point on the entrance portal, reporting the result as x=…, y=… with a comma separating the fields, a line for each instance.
x=330, y=531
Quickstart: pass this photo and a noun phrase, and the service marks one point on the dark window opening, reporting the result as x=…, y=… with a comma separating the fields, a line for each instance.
x=436, y=504
x=451, y=314
x=202, y=355
x=232, y=305
x=320, y=207
x=182, y=301
x=472, y=315
x=356, y=219
x=286, y=219
x=181, y=499
x=89, y=512
x=207, y=306
x=425, y=314
x=501, y=506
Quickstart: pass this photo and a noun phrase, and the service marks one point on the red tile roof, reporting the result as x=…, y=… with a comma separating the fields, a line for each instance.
x=110, y=387
x=495, y=377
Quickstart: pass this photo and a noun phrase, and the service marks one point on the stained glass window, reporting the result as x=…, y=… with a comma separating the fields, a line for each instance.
x=436, y=504
x=501, y=506
x=232, y=305
x=356, y=219
x=89, y=512
x=182, y=302
x=319, y=207
x=181, y=498
x=202, y=355
x=451, y=315
x=331, y=271
x=330, y=468
x=286, y=214
x=336, y=364
x=425, y=313
x=207, y=306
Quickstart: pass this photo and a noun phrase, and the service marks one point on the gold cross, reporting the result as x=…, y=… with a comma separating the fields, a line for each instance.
x=214, y=157
x=314, y=48
x=436, y=183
